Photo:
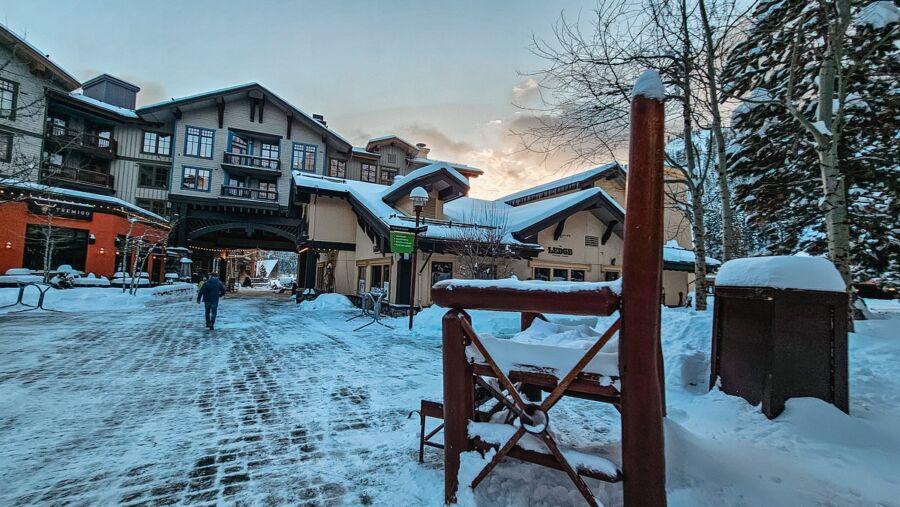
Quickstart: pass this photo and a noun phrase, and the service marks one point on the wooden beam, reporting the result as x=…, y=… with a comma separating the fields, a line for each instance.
x=177, y=113
x=609, y=230
x=252, y=110
x=290, y=122
x=262, y=107
x=559, y=229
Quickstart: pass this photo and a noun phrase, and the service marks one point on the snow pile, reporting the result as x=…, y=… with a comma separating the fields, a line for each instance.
x=89, y=299
x=328, y=302
x=530, y=285
x=649, y=85
x=782, y=272
x=91, y=280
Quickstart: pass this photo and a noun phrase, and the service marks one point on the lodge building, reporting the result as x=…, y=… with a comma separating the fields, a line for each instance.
x=242, y=168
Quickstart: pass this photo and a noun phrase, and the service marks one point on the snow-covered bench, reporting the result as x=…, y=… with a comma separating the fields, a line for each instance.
x=16, y=276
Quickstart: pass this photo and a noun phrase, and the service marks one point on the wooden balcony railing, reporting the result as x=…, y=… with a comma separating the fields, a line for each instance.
x=256, y=194
x=71, y=138
x=77, y=175
x=251, y=161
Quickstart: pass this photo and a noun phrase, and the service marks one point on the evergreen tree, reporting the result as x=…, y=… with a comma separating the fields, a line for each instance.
x=774, y=163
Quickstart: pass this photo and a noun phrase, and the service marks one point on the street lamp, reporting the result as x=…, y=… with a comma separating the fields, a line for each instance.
x=419, y=198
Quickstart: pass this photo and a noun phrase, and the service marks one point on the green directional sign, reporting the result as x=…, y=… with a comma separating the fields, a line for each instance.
x=402, y=242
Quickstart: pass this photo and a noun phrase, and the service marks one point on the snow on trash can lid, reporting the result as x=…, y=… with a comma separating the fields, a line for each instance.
x=782, y=272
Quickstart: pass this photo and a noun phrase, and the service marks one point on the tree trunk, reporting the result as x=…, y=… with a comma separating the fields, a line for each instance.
x=699, y=230
x=730, y=240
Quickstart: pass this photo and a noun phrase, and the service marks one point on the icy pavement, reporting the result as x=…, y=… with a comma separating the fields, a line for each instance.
x=275, y=406
x=278, y=406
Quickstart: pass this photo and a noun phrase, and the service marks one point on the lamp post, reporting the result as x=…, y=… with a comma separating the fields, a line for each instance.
x=419, y=198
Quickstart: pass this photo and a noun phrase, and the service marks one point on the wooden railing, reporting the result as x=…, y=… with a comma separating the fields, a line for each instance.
x=256, y=194
x=252, y=161
x=78, y=175
x=71, y=138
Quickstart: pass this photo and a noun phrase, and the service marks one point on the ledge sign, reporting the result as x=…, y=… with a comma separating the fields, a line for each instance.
x=402, y=242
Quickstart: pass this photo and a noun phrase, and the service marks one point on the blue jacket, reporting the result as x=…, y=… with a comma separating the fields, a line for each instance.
x=211, y=291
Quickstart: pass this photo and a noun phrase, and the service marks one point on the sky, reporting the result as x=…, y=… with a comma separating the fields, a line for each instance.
x=448, y=74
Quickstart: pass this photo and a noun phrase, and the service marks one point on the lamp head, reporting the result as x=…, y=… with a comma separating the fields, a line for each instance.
x=419, y=197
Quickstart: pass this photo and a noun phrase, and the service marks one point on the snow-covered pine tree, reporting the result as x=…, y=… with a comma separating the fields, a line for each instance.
x=774, y=162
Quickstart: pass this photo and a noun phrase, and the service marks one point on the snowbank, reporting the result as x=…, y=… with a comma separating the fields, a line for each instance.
x=329, y=302
x=98, y=299
x=782, y=272
x=530, y=285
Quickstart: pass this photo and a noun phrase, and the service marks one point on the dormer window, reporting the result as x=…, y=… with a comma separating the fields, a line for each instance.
x=387, y=176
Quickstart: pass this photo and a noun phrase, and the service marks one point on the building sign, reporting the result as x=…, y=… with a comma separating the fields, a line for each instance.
x=402, y=242
x=558, y=250
x=61, y=209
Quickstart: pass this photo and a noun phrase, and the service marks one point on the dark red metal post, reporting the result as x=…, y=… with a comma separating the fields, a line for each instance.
x=459, y=400
x=643, y=448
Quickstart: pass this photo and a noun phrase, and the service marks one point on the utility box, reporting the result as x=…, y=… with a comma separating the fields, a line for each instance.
x=780, y=331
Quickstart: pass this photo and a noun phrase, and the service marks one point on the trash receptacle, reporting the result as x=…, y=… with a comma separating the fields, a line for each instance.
x=780, y=331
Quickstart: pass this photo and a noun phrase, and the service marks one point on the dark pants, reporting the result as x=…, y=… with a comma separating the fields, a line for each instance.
x=211, y=310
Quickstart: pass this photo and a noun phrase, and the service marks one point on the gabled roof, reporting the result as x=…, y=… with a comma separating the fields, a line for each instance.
x=367, y=201
x=392, y=139
x=39, y=59
x=362, y=152
x=242, y=89
x=528, y=219
x=463, y=168
x=97, y=107
x=676, y=258
x=439, y=176
x=582, y=180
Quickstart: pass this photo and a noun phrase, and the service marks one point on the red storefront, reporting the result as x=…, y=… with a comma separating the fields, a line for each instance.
x=88, y=231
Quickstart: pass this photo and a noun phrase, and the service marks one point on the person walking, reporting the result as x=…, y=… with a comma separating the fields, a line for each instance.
x=210, y=292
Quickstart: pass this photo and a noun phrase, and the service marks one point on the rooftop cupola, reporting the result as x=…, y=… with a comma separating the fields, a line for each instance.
x=111, y=90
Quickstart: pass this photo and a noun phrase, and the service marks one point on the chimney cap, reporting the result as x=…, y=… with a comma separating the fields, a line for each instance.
x=113, y=79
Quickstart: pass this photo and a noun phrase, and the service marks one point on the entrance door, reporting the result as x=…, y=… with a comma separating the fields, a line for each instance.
x=403, y=278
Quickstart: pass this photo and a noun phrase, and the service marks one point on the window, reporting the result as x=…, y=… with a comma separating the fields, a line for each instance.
x=6, y=142
x=268, y=191
x=387, y=175
x=153, y=176
x=542, y=274
x=158, y=144
x=368, y=173
x=560, y=275
x=485, y=272
x=194, y=178
x=610, y=276
x=361, y=279
x=199, y=142
x=69, y=246
x=58, y=125
x=9, y=92
x=441, y=271
x=268, y=150
x=576, y=275
x=158, y=206
x=239, y=145
x=392, y=158
x=337, y=168
x=304, y=157
x=381, y=274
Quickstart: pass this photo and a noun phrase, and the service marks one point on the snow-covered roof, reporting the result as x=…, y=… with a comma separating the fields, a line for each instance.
x=675, y=256
x=457, y=165
x=782, y=272
x=35, y=53
x=528, y=218
x=590, y=175
x=121, y=111
x=357, y=149
x=369, y=197
x=27, y=185
x=878, y=14
x=414, y=178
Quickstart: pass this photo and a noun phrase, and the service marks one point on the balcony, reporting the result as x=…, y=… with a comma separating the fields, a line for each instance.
x=237, y=163
x=66, y=138
x=250, y=194
x=86, y=179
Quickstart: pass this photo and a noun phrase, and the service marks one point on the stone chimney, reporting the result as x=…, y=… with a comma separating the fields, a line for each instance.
x=423, y=150
x=111, y=90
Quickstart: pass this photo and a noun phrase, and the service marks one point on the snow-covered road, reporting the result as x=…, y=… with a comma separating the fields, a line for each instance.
x=275, y=406
x=288, y=406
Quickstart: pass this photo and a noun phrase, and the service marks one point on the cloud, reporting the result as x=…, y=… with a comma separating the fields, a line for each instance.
x=526, y=90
